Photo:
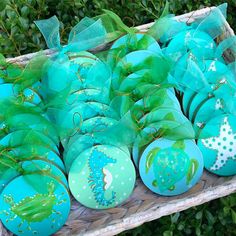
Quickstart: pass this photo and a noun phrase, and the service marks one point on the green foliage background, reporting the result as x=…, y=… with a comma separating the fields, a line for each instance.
x=18, y=35
x=216, y=218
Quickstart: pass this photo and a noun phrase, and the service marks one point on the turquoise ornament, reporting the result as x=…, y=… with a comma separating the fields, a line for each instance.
x=199, y=43
x=207, y=110
x=38, y=210
x=171, y=167
x=217, y=143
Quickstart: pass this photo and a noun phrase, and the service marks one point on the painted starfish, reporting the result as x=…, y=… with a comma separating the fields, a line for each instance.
x=224, y=144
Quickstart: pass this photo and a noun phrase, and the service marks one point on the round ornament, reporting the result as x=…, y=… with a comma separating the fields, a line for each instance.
x=29, y=151
x=87, y=95
x=28, y=136
x=140, y=60
x=102, y=177
x=171, y=167
x=41, y=209
x=199, y=43
x=197, y=100
x=209, y=109
x=217, y=142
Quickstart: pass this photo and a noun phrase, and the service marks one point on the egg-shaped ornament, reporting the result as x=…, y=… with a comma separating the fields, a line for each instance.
x=170, y=167
x=217, y=141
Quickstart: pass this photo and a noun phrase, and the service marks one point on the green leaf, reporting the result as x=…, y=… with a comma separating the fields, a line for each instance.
x=233, y=213
x=198, y=216
x=2, y=60
x=168, y=233
x=210, y=218
x=150, y=158
x=25, y=11
x=198, y=231
x=226, y=210
x=232, y=200
x=181, y=226
x=175, y=217
x=3, y=4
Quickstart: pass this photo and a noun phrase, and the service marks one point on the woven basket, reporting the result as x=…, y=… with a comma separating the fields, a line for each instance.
x=143, y=205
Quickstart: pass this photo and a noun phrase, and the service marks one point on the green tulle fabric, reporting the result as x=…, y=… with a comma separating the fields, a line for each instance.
x=26, y=133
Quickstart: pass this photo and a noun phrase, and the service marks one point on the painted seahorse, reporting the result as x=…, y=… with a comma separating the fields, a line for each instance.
x=97, y=161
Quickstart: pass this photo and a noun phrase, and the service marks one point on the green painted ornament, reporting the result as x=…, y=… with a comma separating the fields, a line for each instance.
x=102, y=177
x=41, y=209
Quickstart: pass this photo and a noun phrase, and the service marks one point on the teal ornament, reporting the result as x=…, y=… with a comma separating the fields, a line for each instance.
x=67, y=69
x=29, y=151
x=217, y=142
x=217, y=72
x=140, y=60
x=38, y=210
x=80, y=142
x=70, y=118
x=46, y=167
x=30, y=166
x=171, y=167
x=32, y=121
x=196, y=102
x=32, y=96
x=207, y=110
x=77, y=144
x=168, y=129
x=102, y=177
x=87, y=95
x=21, y=137
x=163, y=113
x=7, y=90
x=96, y=124
x=28, y=96
x=199, y=43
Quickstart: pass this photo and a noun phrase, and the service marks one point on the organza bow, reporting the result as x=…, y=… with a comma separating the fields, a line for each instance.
x=87, y=34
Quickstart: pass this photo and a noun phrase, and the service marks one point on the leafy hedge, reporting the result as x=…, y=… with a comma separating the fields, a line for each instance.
x=18, y=34
x=216, y=218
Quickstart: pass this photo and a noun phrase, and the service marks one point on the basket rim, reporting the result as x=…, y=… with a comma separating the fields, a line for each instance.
x=187, y=17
